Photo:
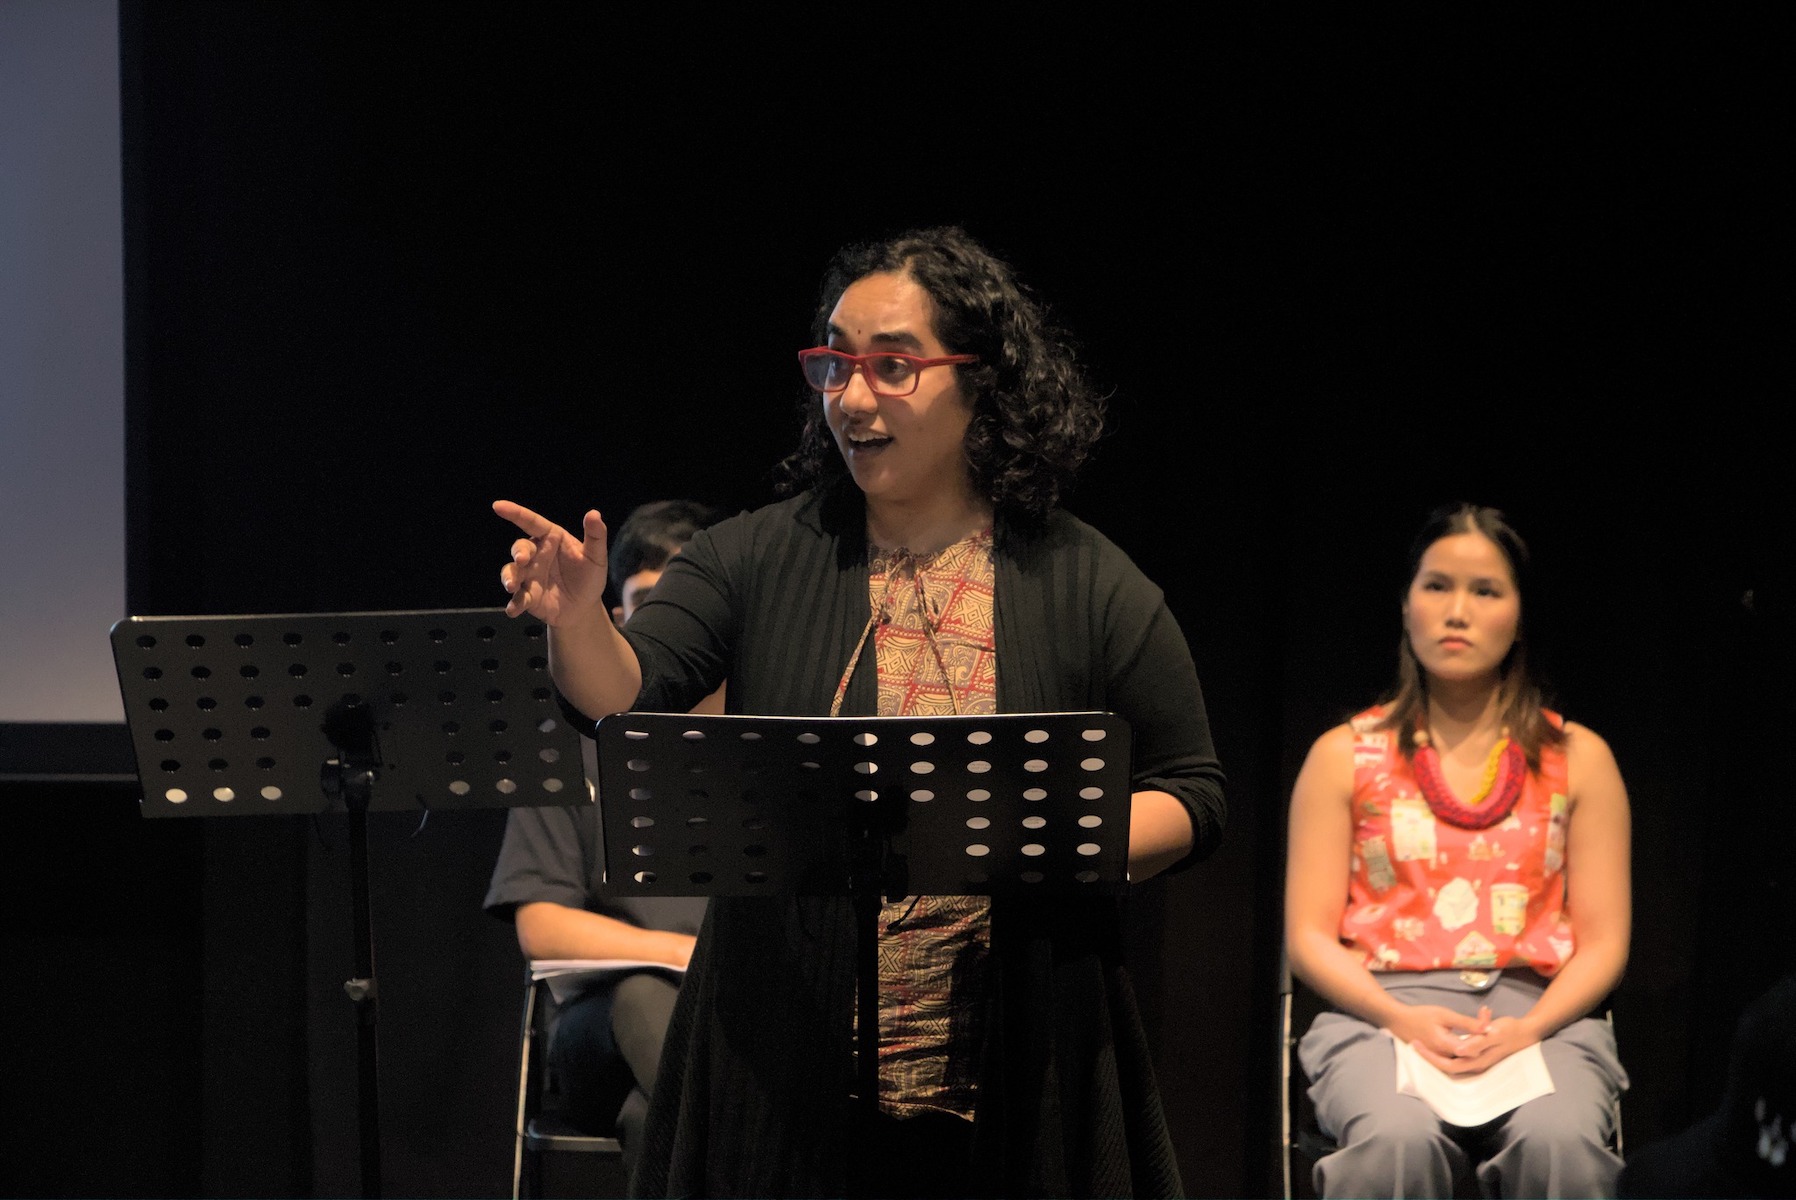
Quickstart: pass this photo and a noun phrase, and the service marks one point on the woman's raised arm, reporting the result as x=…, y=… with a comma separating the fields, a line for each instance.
x=560, y=579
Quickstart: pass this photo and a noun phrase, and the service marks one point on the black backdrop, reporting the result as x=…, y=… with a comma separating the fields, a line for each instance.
x=386, y=264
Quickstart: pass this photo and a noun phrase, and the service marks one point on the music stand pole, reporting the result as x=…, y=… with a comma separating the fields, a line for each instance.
x=350, y=777
x=867, y=888
x=366, y=997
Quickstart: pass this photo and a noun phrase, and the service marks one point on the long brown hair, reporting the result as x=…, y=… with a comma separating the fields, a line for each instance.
x=1523, y=694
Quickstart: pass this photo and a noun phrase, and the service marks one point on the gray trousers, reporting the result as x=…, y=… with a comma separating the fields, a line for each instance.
x=1394, y=1145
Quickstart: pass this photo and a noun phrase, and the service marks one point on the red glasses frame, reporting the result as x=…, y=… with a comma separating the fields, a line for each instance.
x=858, y=361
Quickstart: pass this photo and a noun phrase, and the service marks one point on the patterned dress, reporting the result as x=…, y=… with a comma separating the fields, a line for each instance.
x=1427, y=895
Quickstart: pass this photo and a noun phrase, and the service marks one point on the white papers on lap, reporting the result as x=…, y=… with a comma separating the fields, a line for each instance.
x=568, y=977
x=1473, y=1099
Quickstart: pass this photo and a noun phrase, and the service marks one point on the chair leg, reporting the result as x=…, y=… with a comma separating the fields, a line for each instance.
x=526, y=1040
x=1618, y=1145
x=1284, y=1089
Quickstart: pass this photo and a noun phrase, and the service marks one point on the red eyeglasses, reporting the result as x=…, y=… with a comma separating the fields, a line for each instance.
x=828, y=371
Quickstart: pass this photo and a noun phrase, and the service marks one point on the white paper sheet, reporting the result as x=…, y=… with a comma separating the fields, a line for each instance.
x=568, y=977
x=1474, y=1099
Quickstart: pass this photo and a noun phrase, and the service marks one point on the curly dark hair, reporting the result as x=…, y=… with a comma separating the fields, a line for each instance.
x=1035, y=416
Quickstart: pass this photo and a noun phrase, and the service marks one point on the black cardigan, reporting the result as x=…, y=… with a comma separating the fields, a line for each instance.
x=753, y=1097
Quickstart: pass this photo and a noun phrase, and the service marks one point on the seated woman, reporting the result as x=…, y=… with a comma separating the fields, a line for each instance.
x=1458, y=878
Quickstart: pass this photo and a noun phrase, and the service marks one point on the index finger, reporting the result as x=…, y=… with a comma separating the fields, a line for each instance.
x=532, y=523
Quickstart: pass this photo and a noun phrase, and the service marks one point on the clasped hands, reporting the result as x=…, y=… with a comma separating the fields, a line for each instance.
x=1458, y=1044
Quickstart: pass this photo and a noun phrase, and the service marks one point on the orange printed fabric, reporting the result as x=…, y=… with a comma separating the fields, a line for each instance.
x=935, y=653
x=933, y=640
x=1424, y=894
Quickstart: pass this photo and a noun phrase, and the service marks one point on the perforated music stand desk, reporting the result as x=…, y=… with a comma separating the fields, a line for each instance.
x=867, y=807
x=309, y=713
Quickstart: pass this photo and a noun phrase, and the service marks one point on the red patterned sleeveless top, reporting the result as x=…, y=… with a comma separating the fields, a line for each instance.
x=1426, y=895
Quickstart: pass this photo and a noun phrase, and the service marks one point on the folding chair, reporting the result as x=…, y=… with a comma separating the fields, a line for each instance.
x=540, y=1130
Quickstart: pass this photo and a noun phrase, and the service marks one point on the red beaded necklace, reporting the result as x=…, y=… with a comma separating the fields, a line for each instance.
x=1504, y=772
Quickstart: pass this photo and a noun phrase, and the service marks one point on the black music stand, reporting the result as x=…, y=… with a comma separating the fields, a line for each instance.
x=308, y=713
x=867, y=807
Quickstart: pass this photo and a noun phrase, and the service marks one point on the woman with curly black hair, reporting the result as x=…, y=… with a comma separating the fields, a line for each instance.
x=1033, y=417
x=921, y=568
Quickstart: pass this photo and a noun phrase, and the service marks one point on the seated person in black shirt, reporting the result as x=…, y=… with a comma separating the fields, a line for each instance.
x=606, y=1042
